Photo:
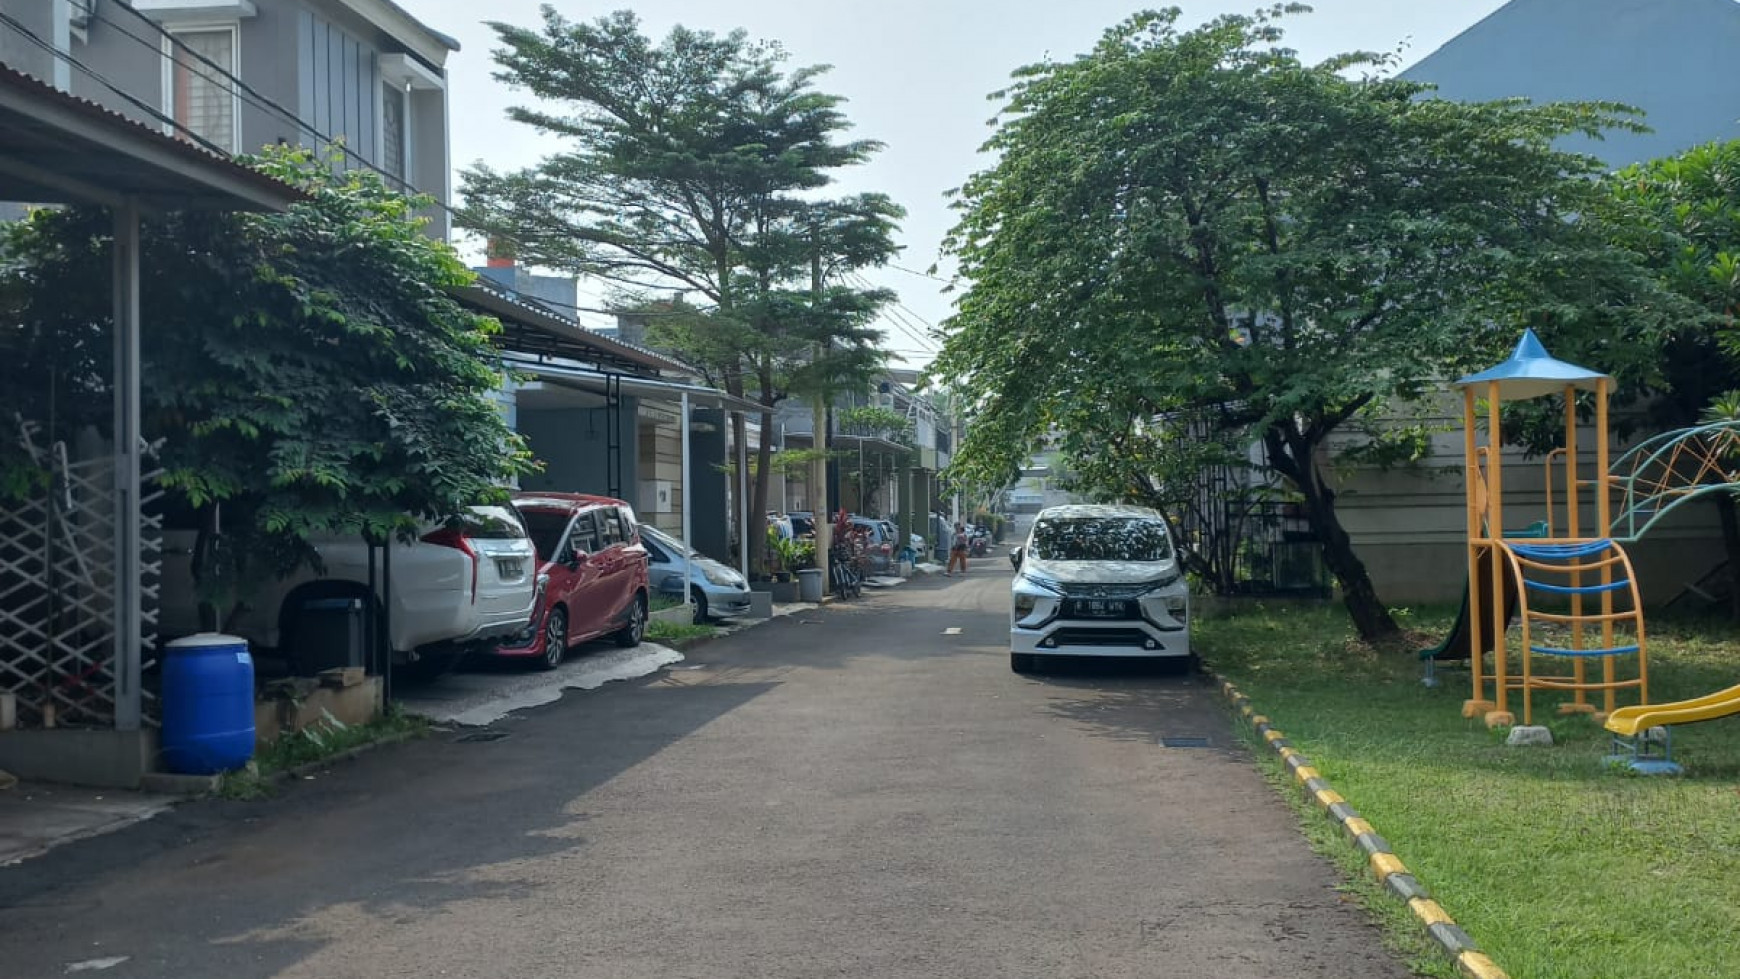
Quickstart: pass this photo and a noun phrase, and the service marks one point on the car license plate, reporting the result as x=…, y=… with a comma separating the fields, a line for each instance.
x=1099, y=608
x=509, y=567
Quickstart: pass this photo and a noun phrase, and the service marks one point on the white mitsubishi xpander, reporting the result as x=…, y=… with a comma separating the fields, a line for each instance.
x=1098, y=581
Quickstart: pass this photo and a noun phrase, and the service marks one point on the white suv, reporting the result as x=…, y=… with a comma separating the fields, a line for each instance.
x=459, y=587
x=1097, y=581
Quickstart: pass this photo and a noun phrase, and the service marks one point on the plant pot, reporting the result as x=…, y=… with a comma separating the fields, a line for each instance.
x=810, y=584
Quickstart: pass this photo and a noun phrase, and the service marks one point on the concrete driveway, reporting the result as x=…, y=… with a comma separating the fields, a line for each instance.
x=863, y=791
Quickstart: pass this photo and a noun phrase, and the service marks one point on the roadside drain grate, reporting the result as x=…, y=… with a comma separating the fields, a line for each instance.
x=1177, y=742
x=480, y=736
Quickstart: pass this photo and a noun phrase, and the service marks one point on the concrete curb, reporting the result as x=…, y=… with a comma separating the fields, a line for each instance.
x=1383, y=863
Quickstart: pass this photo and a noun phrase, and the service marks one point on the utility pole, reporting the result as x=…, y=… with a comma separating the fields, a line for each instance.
x=819, y=421
x=955, y=448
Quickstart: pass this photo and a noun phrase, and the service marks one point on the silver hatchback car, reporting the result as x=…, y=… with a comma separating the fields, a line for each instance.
x=718, y=591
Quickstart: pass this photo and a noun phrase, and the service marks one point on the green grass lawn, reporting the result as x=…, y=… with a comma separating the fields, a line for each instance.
x=661, y=631
x=1557, y=865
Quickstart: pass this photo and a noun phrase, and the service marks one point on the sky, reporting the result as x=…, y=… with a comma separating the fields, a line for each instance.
x=916, y=74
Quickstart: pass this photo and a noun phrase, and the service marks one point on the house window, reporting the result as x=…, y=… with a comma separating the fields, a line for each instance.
x=393, y=130
x=202, y=100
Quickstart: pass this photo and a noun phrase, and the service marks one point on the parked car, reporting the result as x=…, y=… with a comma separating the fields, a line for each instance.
x=881, y=535
x=1097, y=581
x=718, y=591
x=802, y=524
x=462, y=586
x=590, y=547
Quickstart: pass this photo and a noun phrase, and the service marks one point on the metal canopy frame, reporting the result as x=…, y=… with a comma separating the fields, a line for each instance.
x=532, y=329
x=56, y=148
x=687, y=397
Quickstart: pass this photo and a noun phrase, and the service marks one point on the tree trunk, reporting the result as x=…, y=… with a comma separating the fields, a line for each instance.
x=1730, y=514
x=1299, y=463
x=758, y=502
x=1368, y=612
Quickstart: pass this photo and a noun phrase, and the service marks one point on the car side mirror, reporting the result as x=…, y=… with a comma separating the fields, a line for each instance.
x=1015, y=558
x=574, y=558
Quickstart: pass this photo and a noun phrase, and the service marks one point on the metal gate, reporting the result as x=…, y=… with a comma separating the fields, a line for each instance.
x=57, y=589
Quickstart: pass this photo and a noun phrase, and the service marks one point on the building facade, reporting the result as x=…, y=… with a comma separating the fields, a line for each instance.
x=239, y=75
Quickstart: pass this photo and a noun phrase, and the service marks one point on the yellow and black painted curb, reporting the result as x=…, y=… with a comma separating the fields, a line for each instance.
x=1384, y=864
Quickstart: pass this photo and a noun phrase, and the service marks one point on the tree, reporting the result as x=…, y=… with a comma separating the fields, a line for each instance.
x=1682, y=214
x=693, y=165
x=1195, y=219
x=306, y=371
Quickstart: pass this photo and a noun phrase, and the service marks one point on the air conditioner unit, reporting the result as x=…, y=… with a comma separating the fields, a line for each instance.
x=656, y=496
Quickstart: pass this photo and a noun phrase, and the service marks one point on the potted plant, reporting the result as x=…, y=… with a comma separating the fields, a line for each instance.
x=790, y=554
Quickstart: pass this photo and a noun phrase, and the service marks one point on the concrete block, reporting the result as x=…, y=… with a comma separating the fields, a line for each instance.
x=351, y=706
x=681, y=615
x=103, y=758
x=1523, y=736
x=1452, y=939
x=1372, y=844
x=1407, y=887
x=760, y=605
x=165, y=783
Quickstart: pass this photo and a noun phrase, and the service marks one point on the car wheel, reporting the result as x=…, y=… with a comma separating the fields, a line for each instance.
x=631, y=634
x=1023, y=662
x=701, y=617
x=555, y=639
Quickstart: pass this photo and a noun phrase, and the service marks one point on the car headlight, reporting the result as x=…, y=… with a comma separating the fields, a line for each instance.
x=723, y=576
x=1024, y=604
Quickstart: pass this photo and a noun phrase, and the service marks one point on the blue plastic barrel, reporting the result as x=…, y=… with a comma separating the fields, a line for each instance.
x=208, y=704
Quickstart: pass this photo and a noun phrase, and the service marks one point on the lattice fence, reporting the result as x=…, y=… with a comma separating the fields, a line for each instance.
x=57, y=590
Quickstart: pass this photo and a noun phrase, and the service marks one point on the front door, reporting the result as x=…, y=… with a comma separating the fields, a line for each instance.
x=585, y=616
x=614, y=579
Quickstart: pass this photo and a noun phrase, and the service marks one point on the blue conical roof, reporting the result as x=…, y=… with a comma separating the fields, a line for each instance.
x=1532, y=372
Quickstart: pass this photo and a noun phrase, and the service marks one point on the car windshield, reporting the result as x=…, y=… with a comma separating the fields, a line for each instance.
x=665, y=541
x=547, y=529
x=1101, y=539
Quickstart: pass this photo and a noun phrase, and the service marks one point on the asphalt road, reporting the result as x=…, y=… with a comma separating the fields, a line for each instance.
x=858, y=791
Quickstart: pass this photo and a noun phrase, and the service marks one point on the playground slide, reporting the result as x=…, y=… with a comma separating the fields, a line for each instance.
x=1455, y=645
x=1628, y=721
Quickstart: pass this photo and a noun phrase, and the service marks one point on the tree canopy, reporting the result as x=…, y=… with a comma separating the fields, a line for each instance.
x=1197, y=221
x=697, y=164
x=307, y=371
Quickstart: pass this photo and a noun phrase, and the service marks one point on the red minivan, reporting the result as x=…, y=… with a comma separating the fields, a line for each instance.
x=589, y=547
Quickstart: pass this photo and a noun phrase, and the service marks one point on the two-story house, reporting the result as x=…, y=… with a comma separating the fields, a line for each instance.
x=237, y=75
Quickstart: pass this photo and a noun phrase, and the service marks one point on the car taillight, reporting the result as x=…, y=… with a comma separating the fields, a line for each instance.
x=451, y=537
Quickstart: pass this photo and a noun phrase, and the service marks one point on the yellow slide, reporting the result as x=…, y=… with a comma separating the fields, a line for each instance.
x=1628, y=721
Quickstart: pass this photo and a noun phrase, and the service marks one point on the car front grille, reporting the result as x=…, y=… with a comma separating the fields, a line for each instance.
x=1099, y=637
x=1092, y=590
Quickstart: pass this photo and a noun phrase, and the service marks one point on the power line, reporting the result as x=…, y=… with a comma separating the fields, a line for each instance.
x=912, y=333
x=922, y=275
x=138, y=103
x=247, y=93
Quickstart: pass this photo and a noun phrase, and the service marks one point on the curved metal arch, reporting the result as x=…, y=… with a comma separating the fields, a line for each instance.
x=1659, y=454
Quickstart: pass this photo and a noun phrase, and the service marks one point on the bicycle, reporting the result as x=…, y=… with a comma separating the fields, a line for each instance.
x=843, y=573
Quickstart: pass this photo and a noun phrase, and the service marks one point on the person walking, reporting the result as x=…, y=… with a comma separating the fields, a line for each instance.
x=957, y=551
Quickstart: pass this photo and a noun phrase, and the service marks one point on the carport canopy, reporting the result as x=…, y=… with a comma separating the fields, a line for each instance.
x=56, y=148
